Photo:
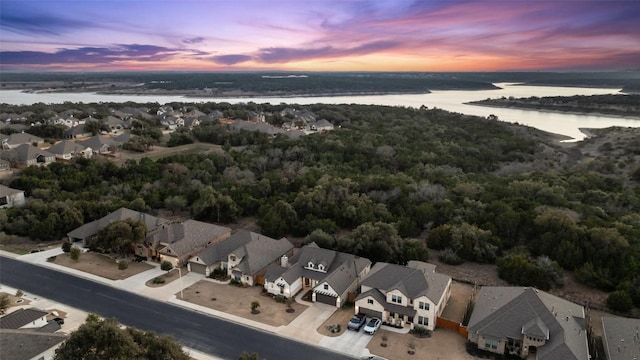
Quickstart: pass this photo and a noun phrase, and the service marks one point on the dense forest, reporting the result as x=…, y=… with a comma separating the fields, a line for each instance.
x=620, y=105
x=387, y=184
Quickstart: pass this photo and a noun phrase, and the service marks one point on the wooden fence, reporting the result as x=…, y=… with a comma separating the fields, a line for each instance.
x=452, y=325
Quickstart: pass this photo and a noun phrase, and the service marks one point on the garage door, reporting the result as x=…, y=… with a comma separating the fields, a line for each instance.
x=371, y=313
x=198, y=268
x=326, y=299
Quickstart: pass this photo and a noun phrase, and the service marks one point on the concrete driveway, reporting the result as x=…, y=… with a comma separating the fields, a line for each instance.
x=353, y=343
x=303, y=328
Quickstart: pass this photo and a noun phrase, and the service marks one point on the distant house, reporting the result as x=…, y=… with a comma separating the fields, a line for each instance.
x=67, y=150
x=17, y=139
x=322, y=125
x=90, y=229
x=76, y=132
x=330, y=274
x=520, y=321
x=11, y=197
x=123, y=138
x=115, y=125
x=405, y=296
x=27, y=155
x=24, y=319
x=4, y=165
x=248, y=262
x=100, y=145
x=177, y=242
x=621, y=338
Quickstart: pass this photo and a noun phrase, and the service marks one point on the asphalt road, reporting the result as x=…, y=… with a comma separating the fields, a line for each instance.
x=192, y=329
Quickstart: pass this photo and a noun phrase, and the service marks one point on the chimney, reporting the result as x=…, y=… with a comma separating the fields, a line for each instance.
x=284, y=261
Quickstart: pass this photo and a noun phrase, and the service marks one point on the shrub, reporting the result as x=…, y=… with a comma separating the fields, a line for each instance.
x=66, y=246
x=280, y=299
x=122, y=265
x=19, y=293
x=74, y=253
x=235, y=282
x=166, y=265
x=254, y=306
x=158, y=280
x=450, y=257
x=620, y=300
x=421, y=331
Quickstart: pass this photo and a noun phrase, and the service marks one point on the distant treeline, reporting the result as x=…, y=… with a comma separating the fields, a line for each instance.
x=307, y=83
x=621, y=105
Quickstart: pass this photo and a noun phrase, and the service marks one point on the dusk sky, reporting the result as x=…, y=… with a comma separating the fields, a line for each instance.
x=319, y=35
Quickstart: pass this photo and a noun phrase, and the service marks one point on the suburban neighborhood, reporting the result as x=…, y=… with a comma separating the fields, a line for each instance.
x=407, y=299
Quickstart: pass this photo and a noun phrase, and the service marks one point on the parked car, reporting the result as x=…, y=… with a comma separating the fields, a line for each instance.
x=372, y=326
x=59, y=320
x=357, y=322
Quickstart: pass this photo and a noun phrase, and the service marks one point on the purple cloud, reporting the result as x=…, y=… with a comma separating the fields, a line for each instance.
x=91, y=55
x=284, y=55
x=195, y=40
x=230, y=59
x=40, y=24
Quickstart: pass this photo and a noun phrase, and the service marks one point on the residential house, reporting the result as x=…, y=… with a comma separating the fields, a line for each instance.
x=27, y=155
x=29, y=344
x=16, y=139
x=4, y=165
x=100, y=145
x=177, y=242
x=194, y=114
x=621, y=338
x=123, y=138
x=216, y=255
x=11, y=197
x=24, y=319
x=76, y=132
x=116, y=126
x=406, y=296
x=67, y=150
x=216, y=114
x=520, y=321
x=329, y=274
x=248, y=262
x=90, y=229
x=322, y=125
x=191, y=122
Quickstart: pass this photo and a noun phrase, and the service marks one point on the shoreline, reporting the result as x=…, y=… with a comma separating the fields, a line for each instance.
x=626, y=117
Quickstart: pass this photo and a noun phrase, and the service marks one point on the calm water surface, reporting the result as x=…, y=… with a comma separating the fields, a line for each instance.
x=451, y=100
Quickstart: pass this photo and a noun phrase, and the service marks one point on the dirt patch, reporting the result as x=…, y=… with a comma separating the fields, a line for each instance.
x=237, y=301
x=167, y=277
x=23, y=245
x=442, y=345
x=102, y=265
x=16, y=301
x=157, y=152
x=457, y=304
x=469, y=272
x=339, y=317
x=55, y=313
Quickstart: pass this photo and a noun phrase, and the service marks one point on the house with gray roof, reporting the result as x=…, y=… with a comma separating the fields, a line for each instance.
x=100, y=144
x=331, y=275
x=405, y=296
x=16, y=139
x=28, y=155
x=177, y=242
x=67, y=150
x=248, y=262
x=216, y=255
x=322, y=125
x=24, y=319
x=77, y=132
x=621, y=338
x=4, y=164
x=90, y=229
x=11, y=197
x=29, y=344
x=525, y=322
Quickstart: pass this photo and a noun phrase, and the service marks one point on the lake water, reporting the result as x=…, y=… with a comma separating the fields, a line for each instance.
x=451, y=100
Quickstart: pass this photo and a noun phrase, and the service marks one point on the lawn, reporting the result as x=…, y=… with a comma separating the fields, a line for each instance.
x=237, y=301
x=442, y=345
x=102, y=265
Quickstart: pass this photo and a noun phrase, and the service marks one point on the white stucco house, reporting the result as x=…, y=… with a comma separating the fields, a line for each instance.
x=11, y=197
